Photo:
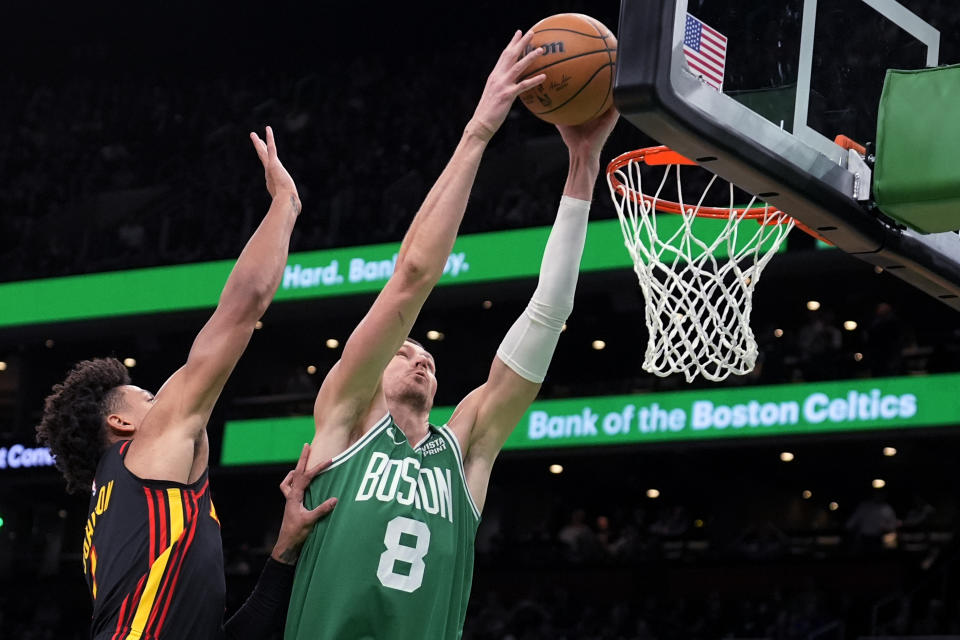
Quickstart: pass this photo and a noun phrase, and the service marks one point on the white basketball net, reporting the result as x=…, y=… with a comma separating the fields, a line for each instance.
x=697, y=303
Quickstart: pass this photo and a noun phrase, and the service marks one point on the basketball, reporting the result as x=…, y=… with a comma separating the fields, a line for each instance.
x=577, y=55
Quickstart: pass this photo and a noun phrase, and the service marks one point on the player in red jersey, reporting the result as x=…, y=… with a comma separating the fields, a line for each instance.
x=152, y=551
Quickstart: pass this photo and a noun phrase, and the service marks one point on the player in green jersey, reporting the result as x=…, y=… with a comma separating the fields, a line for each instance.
x=395, y=559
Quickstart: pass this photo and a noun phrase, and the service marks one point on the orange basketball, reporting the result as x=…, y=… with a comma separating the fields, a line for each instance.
x=578, y=54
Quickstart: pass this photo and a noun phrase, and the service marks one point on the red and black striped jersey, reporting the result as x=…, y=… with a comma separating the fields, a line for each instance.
x=152, y=556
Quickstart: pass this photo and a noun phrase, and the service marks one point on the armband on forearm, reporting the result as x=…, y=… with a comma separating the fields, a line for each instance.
x=263, y=612
x=529, y=344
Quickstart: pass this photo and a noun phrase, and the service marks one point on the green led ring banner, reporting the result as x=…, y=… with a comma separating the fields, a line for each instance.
x=478, y=257
x=782, y=410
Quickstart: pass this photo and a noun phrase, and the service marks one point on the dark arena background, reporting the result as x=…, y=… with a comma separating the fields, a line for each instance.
x=826, y=510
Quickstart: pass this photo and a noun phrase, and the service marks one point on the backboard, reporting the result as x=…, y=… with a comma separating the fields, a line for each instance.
x=756, y=92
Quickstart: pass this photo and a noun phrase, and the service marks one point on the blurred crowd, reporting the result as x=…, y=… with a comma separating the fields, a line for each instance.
x=554, y=613
x=803, y=614
x=139, y=171
x=637, y=534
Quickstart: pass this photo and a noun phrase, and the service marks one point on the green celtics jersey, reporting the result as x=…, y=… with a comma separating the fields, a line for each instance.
x=395, y=558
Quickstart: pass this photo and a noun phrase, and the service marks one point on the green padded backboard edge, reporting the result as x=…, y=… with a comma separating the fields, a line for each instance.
x=916, y=179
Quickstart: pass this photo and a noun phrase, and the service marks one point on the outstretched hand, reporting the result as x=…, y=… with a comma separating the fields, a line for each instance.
x=587, y=139
x=504, y=84
x=298, y=521
x=279, y=182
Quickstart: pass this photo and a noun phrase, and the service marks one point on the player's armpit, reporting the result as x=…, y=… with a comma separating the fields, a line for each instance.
x=485, y=419
x=165, y=444
x=505, y=397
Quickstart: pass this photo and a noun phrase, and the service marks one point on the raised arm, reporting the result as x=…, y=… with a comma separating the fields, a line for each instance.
x=485, y=418
x=352, y=383
x=170, y=443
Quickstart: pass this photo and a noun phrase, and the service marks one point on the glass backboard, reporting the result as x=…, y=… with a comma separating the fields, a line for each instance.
x=757, y=91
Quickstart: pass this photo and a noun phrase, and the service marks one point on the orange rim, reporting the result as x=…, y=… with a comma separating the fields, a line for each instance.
x=662, y=156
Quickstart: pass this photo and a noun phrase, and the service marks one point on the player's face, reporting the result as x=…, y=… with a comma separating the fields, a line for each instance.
x=136, y=403
x=410, y=376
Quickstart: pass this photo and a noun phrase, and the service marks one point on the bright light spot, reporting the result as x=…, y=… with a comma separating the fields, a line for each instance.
x=698, y=523
x=62, y=513
x=833, y=506
x=49, y=344
x=487, y=304
x=564, y=327
x=807, y=494
x=850, y=325
x=813, y=305
x=129, y=363
x=889, y=451
x=3, y=365
x=434, y=335
x=332, y=343
x=1, y=522
x=878, y=269
x=599, y=345
x=778, y=333
x=878, y=483
x=556, y=468
x=786, y=456
x=311, y=369
x=653, y=493
x=258, y=326
x=858, y=356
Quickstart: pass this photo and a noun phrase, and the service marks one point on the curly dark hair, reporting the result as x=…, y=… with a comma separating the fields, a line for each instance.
x=74, y=418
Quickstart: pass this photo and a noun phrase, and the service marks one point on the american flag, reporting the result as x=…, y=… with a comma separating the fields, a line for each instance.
x=706, y=52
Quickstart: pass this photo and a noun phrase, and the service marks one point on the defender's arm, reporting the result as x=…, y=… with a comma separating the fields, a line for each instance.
x=171, y=434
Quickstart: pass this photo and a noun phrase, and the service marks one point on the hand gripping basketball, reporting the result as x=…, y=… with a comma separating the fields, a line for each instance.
x=504, y=85
x=578, y=58
x=587, y=139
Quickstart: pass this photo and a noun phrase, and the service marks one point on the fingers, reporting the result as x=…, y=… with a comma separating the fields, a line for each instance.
x=287, y=485
x=305, y=451
x=511, y=46
x=518, y=44
x=299, y=478
x=531, y=82
x=323, y=510
x=516, y=51
x=259, y=147
x=523, y=63
x=525, y=41
x=304, y=478
x=265, y=150
x=311, y=473
x=271, y=144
